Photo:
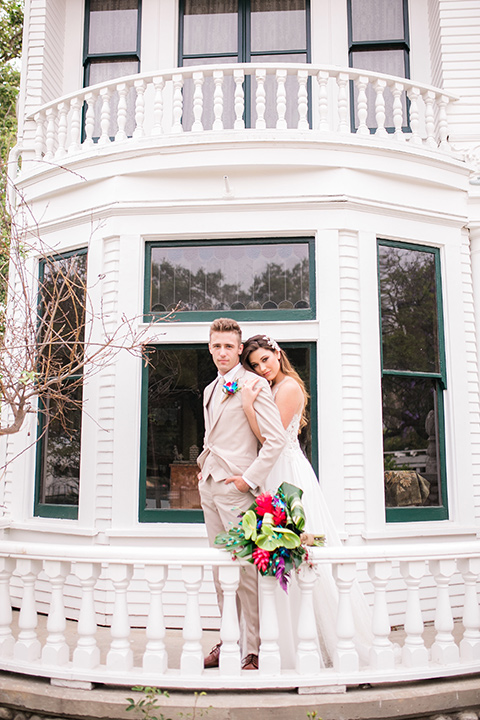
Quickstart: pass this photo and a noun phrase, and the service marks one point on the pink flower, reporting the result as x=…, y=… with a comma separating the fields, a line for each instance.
x=264, y=504
x=261, y=559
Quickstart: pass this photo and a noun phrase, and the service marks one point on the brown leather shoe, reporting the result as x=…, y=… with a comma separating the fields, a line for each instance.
x=250, y=662
x=212, y=660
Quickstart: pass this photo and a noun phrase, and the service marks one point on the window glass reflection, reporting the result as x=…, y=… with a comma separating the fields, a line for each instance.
x=113, y=26
x=411, y=442
x=409, y=309
x=230, y=277
x=210, y=27
x=377, y=20
x=277, y=25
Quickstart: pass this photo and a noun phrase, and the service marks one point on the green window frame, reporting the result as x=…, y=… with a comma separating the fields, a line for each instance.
x=435, y=378
x=45, y=431
x=181, y=515
x=241, y=315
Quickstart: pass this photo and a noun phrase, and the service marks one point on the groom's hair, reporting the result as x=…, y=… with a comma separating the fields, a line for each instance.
x=226, y=325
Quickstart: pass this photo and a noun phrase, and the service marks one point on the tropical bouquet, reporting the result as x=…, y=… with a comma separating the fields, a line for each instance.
x=270, y=534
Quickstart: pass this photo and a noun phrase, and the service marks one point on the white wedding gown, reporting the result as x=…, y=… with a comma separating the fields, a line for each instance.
x=293, y=467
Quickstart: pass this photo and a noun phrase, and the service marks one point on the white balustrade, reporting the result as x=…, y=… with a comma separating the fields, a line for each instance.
x=405, y=570
x=161, y=106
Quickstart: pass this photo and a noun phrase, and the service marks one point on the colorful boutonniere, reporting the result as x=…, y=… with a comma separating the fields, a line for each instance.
x=230, y=388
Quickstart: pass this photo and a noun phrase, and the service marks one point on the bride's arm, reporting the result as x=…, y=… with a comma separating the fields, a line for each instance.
x=249, y=395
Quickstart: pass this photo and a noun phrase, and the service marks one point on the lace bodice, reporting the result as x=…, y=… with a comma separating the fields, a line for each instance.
x=292, y=433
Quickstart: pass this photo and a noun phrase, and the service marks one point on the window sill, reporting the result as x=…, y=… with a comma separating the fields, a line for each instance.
x=440, y=529
x=160, y=530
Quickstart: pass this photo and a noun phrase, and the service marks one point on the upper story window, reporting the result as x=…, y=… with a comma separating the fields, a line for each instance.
x=249, y=279
x=378, y=41
x=237, y=31
x=413, y=382
x=112, y=39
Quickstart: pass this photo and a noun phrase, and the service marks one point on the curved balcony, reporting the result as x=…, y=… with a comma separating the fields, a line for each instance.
x=43, y=569
x=317, y=101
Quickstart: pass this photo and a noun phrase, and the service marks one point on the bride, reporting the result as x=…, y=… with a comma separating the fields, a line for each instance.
x=264, y=356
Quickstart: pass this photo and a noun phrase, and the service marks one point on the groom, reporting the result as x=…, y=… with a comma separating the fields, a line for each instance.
x=232, y=467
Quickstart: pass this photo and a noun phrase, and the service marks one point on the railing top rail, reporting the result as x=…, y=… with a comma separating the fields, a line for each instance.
x=213, y=556
x=271, y=68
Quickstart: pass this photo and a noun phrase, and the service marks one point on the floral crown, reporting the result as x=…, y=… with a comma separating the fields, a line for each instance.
x=273, y=343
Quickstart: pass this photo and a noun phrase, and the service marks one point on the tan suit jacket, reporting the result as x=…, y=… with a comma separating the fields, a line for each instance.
x=230, y=446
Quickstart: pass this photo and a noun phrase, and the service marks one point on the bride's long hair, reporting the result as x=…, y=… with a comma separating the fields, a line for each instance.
x=264, y=342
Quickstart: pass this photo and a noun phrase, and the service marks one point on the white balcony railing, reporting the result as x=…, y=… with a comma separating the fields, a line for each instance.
x=22, y=650
x=215, y=98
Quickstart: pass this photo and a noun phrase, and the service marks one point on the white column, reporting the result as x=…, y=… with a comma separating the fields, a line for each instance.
x=218, y=100
x=230, y=660
x=381, y=652
x=155, y=658
x=120, y=655
x=308, y=656
x=191, y=661
x=27, y=647
x=470, y=644
x=55, y=651
x=87, y=654
x=7, y=641
x=260, y=99
x=139, y=108
x=197, y=101
x=269, y=662
x=414, y=653
x=345, y=656
x=444, y=649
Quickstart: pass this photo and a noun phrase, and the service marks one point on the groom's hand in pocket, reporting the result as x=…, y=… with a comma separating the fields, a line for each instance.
x=240, y=483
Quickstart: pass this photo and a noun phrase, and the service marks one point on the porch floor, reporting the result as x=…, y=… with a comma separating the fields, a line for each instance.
x=425, y=699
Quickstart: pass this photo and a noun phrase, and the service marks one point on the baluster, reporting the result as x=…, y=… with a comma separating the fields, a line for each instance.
x=413, y=95
x=470, y=644
x=230, y=660
x=381, y=652
x=397, y=91
x=308, y=656
x=90, y=99
x=379, y=86
x=7, y=641
x=158, y=84
x=281, y=76
x=50, y=141
x=191, y=662
x=269, y=654
x=342, y=101
x=322, y=79
x=218, y=100
x=442, y=103
x=61, y=150
x=197, y=101
x=87, y=654
x=104, y=138
x=238, y=76
x=260, y=99
x=302, y=76
x=39, y=135
x=414, y=652
x=345, y=656
x=121, y=112
x=155, y=658
x=429, y=99
x=362, y=105
x=120, y=656
x=55, y=651
x=444, y=649
x=75, y=126
x=27, y=647
x=177, y=80
x=139, y=109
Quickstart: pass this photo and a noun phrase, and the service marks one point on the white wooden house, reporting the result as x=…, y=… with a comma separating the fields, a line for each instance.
x=311, y=168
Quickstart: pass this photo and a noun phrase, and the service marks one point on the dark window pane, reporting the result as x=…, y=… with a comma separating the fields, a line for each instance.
x=409, y=309
x=390, y=62
x=113, y=26
x=175, y=427
x=210, y=26
x=60, y=465
x=230, y=277
x=377, y=20
x=61, y=329
x=278, y=25
x=411, y=442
